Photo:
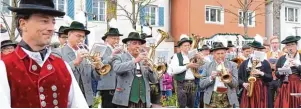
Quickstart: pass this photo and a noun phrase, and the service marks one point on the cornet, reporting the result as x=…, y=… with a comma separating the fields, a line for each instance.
x=93, y=58
x=225, y=76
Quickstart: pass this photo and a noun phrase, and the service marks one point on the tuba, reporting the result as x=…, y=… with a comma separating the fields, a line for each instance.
x=93, y=57
x=195, y=42
x=225, y=76
x=159, y=68
x=252, y=78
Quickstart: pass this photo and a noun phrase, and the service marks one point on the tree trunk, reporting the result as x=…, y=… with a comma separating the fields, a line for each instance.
x=134, y=14
x=12, y=35
x=111, y=11
x=245, y=18
x=276, y=17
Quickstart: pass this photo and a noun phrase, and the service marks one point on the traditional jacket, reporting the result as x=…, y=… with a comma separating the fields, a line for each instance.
x=129, y=86
x=259, y=96
x=27, y=81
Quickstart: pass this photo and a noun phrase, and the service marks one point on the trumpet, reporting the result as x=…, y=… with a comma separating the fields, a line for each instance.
x=225, y=76
x=252, y=78
x=93, y=58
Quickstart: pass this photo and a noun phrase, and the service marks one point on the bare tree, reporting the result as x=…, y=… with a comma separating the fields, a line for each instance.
x=136, y=6
x=276, y=17
x=246, y=6
x=12, y=28
x=111, y=10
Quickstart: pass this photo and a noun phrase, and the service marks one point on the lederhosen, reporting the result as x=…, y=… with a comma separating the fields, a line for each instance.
x=185, y=88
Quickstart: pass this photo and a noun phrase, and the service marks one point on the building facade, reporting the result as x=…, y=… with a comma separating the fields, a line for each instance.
x=156, y=13
x=209, y=17
x=290, y=19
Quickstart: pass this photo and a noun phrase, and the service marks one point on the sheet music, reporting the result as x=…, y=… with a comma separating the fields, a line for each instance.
x=258, y=55
x=161, y=55
x=284, y=71
x=98, y=48
x=192, y=53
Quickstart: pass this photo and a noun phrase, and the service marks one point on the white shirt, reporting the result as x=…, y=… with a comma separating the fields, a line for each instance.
x=76, y=98
x=176, y=68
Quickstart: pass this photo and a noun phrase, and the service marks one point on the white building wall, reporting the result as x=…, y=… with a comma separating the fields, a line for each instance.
x=99, y=28
x=287, y=28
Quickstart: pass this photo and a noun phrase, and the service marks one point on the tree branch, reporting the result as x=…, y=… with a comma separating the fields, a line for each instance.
x=141, y=6
x=240, y=3
x=128, y=14
x=5, y=23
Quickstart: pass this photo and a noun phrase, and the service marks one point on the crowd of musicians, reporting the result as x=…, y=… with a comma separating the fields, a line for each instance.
x=35, y=74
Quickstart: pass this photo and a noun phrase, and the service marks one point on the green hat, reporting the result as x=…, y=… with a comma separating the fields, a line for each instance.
x=256, y=44
x=184, y=40
x=36, y=6
x=75, y=25
x=218, y=46
x=111, y=32
x=61, y=30
x=134, y=36
x=290, y=39
x=144, y=36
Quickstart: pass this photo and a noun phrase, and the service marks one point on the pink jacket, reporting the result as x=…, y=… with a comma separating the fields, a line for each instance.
x=167, y=82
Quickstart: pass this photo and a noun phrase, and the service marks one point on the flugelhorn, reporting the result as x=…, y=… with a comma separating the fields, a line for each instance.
x=224, y=75
x=93, y=57
x=160, y=67
x=195, y=42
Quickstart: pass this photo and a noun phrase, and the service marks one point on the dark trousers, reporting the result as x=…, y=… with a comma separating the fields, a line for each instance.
x=186, y=93
x=107, y=96
x=155, y=93
x=272, y=88
x=201, y=105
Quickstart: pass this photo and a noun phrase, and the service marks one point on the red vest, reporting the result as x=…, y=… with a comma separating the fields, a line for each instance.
x=32, y=86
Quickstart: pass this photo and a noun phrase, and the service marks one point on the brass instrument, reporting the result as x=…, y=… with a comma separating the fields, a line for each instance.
x=225, y=76
x=238, y=60
x=195, y=42
x=252, y=78
x=159, y=68
x=93, y=57
x=290, y=56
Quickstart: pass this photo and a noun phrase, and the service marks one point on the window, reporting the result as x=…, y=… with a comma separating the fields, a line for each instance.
x=60, y=5
x=250, y=18
x=291, y=14
x=150, y=15
x=99, y=9
x=4, y=5
x=214, y=14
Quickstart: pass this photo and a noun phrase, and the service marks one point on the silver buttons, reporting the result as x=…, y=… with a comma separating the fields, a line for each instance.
x=34, y=67
x=49, y=66
x=54, y=95
x=56, y=107
x=55, y=102
x=54, y=88
x=41, y=89
x=43, y=104
x=42, y=97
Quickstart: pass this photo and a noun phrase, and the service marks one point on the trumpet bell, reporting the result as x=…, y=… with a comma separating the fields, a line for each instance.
x=105, y=69
x=251, y=79
x=226, y=78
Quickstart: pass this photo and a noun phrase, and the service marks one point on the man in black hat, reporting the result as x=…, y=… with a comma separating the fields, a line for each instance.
x=73, y=53
x=205, y=50
x=181, y=67
x=7, y=46
x=261, y=70
x=246, y=51
x=62, y=36
x=231, y=51
x=32, y=77
x=111, y=39
x=218, y=94
x=133, y=75
x=290, y=83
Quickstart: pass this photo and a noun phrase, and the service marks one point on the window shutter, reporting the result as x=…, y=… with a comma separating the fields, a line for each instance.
x=89, y=9
x=142, y=15
x=70, y=8
x=161, y=16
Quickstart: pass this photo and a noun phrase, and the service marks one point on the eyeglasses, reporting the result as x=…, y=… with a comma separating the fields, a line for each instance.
x=135, y=43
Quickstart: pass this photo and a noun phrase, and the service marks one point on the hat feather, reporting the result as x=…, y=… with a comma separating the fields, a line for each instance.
x=113, y=23
x=184, y=36
x=67, y=20
x=258, y=38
